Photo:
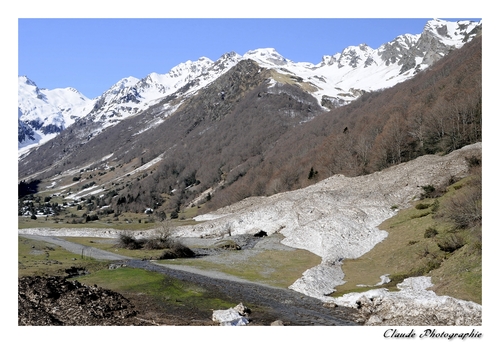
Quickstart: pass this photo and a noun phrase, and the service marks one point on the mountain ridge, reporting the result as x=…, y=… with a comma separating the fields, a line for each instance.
x=130, y=96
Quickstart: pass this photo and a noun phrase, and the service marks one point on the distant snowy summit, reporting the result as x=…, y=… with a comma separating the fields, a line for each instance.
x=43, y=113
x=336, y=80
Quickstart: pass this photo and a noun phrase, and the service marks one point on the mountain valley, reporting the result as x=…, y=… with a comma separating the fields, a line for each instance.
x=319, y=154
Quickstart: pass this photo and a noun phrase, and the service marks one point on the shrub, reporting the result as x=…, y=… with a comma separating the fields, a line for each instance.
x=473, y=161
x=435, y=206
x=159, y=242
x=312, y=173
x=431, y=191
x=432, y=264
x=464, y=209
x=451, y=243
x=128, y=241
x=177, y=250
x=88, y=185
x=91, y=218
x=422, y=206
x=430, y=232
x=428, y=191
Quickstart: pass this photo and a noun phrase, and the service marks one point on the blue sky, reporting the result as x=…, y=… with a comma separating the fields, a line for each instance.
x=94, y=53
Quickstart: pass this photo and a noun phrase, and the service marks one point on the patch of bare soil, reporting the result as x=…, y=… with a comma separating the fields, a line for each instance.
x=54, y=300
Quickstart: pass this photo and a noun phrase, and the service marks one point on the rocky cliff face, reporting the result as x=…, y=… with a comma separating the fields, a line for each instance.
x=24, y=132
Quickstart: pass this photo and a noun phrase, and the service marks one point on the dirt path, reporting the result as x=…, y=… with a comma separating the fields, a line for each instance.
x=88, y=251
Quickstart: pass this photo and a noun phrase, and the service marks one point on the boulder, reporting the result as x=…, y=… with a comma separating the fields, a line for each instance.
x=235, y=316
x=277, y=323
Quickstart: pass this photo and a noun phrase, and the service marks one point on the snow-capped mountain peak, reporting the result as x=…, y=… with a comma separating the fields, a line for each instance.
x=26, y=80
x=44, y=113
x=353, y=56
x=267, y=57
x=337, y=80
x=451, y=33
x=123, y=83
x=190, y=68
